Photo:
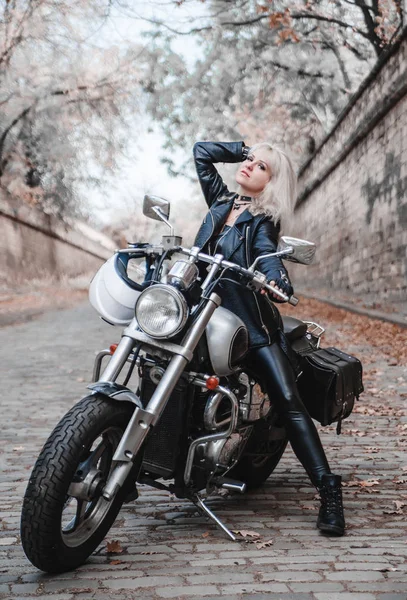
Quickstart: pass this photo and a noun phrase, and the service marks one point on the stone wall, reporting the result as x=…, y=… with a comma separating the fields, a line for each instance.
x=34, y=245
x=353, y=192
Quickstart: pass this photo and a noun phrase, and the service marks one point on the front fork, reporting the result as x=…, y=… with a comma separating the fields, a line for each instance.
x=143, y=419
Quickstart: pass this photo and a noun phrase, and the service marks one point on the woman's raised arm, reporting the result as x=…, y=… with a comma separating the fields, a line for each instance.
x=206, y=154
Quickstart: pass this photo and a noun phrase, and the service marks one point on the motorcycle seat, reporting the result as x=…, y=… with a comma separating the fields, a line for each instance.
x=294, y=328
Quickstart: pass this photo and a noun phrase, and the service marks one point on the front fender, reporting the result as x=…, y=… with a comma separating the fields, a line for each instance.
x=115, y=391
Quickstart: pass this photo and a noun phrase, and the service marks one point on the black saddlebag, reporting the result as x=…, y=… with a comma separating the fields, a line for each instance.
x=329, y=383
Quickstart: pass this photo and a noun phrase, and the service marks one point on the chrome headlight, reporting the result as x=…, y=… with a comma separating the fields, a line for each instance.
x=161, y=311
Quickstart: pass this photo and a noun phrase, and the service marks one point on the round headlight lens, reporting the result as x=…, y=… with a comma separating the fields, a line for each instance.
x=161, y=311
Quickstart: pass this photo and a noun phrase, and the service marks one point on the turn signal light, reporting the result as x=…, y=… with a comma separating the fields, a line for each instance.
x=113, y=348
x=212, y=382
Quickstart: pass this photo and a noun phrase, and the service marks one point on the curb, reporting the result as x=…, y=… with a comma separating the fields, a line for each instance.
x=396, y=319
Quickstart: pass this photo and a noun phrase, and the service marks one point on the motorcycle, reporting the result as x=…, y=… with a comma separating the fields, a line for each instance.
x=194, y=419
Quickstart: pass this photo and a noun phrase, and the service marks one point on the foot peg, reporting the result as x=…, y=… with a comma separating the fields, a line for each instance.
x=230, y=484
x=207, y=511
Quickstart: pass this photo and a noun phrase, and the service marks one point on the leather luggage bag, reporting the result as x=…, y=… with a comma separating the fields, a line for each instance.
x=329, y=383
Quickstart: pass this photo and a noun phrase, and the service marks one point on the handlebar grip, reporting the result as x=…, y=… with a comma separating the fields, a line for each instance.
x=293, y=300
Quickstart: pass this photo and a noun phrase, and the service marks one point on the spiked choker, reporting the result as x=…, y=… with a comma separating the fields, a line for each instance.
x=243, y=201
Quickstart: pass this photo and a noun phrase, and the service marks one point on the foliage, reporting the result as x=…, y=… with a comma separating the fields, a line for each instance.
x=269, y=68
x=65, y=99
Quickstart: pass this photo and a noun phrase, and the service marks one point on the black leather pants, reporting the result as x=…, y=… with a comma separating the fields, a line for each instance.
x=276, y=374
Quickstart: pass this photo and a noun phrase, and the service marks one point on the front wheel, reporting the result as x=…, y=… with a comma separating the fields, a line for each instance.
x=262, y=453
x=64, y=516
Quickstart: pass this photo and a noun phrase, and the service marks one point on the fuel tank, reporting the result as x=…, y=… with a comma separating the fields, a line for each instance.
x=228, y=341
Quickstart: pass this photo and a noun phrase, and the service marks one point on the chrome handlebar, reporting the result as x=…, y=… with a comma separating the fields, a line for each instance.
x=257, y=279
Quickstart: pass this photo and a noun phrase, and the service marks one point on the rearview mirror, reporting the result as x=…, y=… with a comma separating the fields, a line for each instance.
x=299, y=251
x=156, y=208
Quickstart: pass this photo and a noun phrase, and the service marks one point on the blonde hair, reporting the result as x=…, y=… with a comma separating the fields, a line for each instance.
x=277, y=199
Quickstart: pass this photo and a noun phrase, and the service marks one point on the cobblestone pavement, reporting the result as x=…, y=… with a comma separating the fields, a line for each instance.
x=169, y=551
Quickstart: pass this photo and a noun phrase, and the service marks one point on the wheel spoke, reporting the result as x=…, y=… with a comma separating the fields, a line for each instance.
x=97, y=452
x=80, y=513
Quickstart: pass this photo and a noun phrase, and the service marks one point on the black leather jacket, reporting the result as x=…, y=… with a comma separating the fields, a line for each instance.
x=250, y=237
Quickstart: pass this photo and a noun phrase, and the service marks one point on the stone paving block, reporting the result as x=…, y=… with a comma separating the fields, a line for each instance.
x=360, y=566
x=218, y=561
x=292, y=576
x=4, y=588
x=24, y=588
x=344, y=596
x=253, y=587
x=80, y=584
x=279, y=510
x=54, y=597
x=188, y=591
x=355, y=576
x=142, y=582
x=317, y=586
x=229, y=577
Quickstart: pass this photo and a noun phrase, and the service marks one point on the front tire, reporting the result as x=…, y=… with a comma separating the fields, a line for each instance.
x=59, y=530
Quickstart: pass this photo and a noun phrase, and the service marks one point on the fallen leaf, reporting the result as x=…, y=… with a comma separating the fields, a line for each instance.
x=114, y=547
x=364, y=484
x=369, y=483
x=115, y=562
x=246, y=533
x=261, y=545
x=400, y=480
x=205, y=535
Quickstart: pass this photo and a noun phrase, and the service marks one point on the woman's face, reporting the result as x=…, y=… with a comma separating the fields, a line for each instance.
x=254, y=173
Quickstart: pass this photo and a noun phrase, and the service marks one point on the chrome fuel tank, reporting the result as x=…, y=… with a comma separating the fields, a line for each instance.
x=228, y=341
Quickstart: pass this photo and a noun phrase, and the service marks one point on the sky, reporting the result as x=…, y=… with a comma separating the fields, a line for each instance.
x=146, y=174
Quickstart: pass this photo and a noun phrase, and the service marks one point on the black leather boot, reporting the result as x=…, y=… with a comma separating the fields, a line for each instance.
x=331, y=518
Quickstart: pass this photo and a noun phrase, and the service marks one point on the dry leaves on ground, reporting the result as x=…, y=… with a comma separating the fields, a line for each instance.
x=367, y=483
x=245, y=533
x=400, y=480
x=114, y=547
x=398, y=508
x=252, y=537
x=385, y=339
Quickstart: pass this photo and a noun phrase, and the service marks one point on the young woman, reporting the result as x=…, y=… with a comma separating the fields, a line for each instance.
x=243, y=225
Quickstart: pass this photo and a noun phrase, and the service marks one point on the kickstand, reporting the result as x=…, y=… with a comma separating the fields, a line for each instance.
x=207, y=511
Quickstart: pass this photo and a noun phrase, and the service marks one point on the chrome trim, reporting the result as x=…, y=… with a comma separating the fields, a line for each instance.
x=183, y=273
x=98, y=363
x=315, y=330
x=119, y=358
x=206, y=510
x=115, y=391
x=215, y=436
x=271, y=255
x=137, y=429
x=169, y=347
x=212, y=405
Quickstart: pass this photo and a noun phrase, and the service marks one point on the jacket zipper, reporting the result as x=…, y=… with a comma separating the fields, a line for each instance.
x=212, y=230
